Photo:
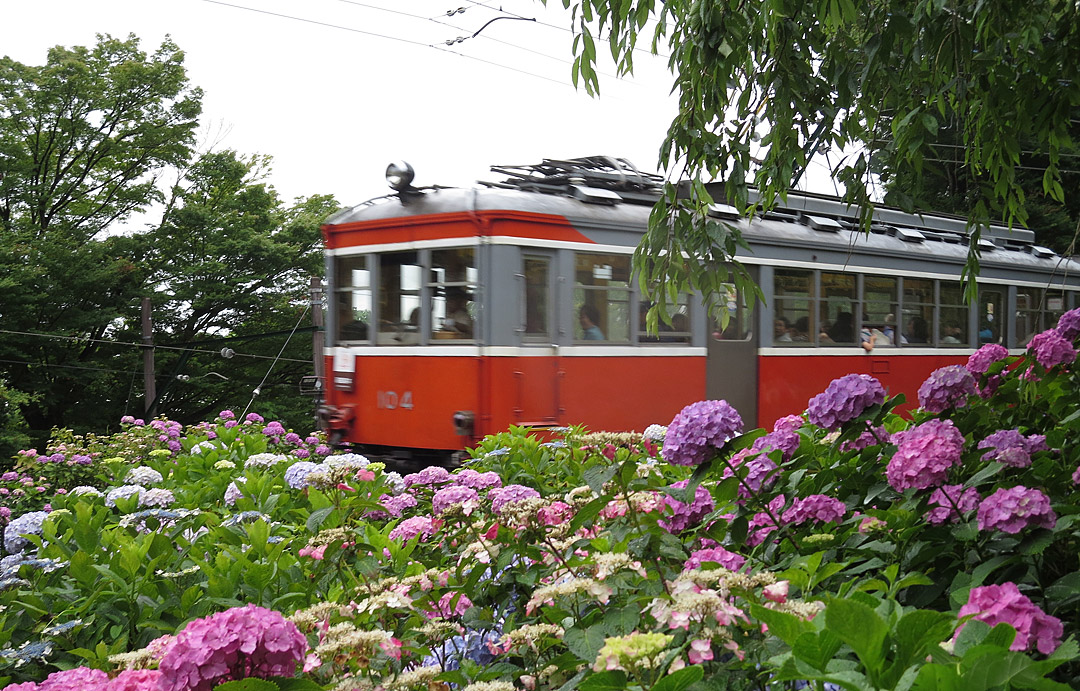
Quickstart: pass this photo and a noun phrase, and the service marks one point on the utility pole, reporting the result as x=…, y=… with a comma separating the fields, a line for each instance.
x=318, y=340
x=149, y=388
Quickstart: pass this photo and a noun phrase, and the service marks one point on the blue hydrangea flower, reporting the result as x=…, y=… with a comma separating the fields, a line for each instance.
x=296, y=475
x=122, y=492
x=26, y=524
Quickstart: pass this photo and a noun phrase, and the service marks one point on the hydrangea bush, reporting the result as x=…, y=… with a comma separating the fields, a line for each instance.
x=848, y=547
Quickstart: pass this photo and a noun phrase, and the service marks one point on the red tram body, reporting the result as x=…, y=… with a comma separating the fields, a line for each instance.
x=456, y=313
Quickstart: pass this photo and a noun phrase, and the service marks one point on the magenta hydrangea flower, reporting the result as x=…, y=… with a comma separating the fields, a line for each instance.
x=455, y=495
x=683, y=515
x=227, y=415
x=136, y=680
x=699, y=430
x=924, y=455
x=1012, y=509
x=1011, y=448
x=1069, y=324
x=254, y=418
x=980, y=361
x=1051, y=349
x=950, y=499
x=555, y=513
x=726, y=559
x=76, y=679
x=844, y=399
x=1005, y=604
x=239, y=643
x=816, y=507
x=1076, y=476
x=760, y=471
x=946, y=388
x=762, y=525
x=411, y=527
x=501, y=496
x=783, y=438
x=468, y=477
x=873, y=436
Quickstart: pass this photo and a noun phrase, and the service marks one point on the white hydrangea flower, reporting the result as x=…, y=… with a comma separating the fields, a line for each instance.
x=122, y=492
x=143, y=476
x=352, y=461
x=265, y=460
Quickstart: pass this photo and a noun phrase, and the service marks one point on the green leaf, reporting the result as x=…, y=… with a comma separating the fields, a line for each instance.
x=585, y=643
x=681, y=679
x=786, y=627
x=613, y=680
x=294, y=684
x=860, y=627
x=247, y=685
x=317, y=518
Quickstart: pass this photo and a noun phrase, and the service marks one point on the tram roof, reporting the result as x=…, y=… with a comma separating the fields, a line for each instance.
x=606, y=194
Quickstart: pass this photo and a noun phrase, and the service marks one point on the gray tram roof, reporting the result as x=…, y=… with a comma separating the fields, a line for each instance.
x=617, y=214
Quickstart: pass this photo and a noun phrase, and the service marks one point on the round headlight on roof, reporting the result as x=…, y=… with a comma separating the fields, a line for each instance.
x=399, y=175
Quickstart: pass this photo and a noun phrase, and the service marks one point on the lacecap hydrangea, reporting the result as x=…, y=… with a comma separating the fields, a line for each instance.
x=700, y=430
x=844, y=399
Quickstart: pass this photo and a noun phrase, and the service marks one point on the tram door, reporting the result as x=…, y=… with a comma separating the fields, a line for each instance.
x=537, y=372
x=731, y=366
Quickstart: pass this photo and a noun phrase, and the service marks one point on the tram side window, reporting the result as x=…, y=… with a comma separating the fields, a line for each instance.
x=353, y=298
x=602, y=297
x=399, y=298
x=678, y=331
x=794, y=320
x=918, y=311
x=837, y=308
x=992, y=321
x=452, y=280
x=1036, y=311
x=879, y=311
x=740, y=316
x=953, y=315
x=537, y=308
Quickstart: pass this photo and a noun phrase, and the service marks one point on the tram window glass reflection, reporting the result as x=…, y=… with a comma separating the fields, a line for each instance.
x=992, y=321
x=740, y=316
x=837, y=308
x=353, y=298
x=879, y=311
x=678, y=331
x=452, y=280
x=399, y=298
x=793, y=293
x=953, y=315
x=918, y=314
x=602, y=297
x=537, y=312
x=1027, y=313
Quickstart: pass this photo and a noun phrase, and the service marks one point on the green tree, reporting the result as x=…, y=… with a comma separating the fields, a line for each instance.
x=231, y=261
x=82, y=139
x=763, y=85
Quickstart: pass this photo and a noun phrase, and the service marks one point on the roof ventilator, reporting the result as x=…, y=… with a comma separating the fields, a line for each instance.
x=824, y=224
x=725, y=211
x=909, y=235
x=594, y=195
x=1041, y=252
x=986, y=245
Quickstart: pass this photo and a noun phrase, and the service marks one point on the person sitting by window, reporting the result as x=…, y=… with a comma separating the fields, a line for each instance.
x=843, y=331
x=801, y=330
x=588, y=317
x=953, y=332
x=918, y=330
x=458, y=320
x=780, y=331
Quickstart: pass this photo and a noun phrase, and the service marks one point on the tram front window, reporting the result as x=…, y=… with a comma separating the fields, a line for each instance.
x=353, y=299
x=602, y=298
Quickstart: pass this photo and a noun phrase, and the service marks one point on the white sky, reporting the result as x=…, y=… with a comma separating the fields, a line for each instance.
x=333, y=106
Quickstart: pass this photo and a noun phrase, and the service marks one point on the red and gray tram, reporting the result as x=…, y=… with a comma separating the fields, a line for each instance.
x=455, y=313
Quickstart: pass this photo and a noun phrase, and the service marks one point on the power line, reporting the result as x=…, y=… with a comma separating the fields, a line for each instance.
x=59, y=337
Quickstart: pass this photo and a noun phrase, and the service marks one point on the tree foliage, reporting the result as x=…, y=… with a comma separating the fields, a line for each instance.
x=762, y=86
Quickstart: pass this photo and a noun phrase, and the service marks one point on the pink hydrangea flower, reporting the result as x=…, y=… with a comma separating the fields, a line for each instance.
x=1011, y=448
x=700, y=651
x=726, y=559
x=455, y=495
x=555, y=513
x=1051, y=349
x=411, y=527
x=1012, y=509
x=432, y=475
x=760, y=472
x=449, y=605
x=924, y=455
x=816, y=507
x=1069, y=324
x=238, y=643
x=501, y=496
x=685, y=515
x=948, y=500
x=469, y=477
x=980, y=361
x=1005, y=604
x=136, y=680
x=777, y=592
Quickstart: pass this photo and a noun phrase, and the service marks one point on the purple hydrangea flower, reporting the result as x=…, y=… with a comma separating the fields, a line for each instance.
x=759, y=472
x=296, y=475
x=239, y=643
x=254, y=417
x=873, y=436
x=311, y=440
x=946, y=388
x=455, y=495
x=1012, y=509
x=844, y=400
x=980, y=361
x=948, y=500
x=322, y=450
x=1076, y=476
x=1051, y=348
x=699, y=430
x=232, y=493
x=411, y=527
x=395, y=506
x=292, y=438
x=468, y=477
x=685, y=515
x=274, y=429
x=9, y=476
x=301, y=453
x=762, y=525
x=127, y=420
x=1011, y=448
x=816, y=507
x=432, y=475
x=81, y=459
x=122, y=492
x=726, y=559
x=1069, y=324
x=783, y=438
x=924, y=455
x=156, y=497
x=501, y=496
x=1005, y=604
